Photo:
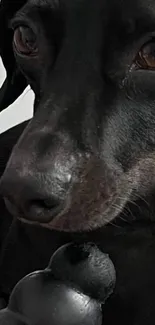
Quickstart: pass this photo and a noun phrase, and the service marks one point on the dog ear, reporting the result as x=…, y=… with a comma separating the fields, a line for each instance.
x=15, y=82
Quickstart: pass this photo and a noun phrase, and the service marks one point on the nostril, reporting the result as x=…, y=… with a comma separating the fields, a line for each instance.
x=46, y=204
x=43, y=210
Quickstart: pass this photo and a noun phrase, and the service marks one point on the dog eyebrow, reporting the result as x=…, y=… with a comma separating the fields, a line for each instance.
x=19, y=19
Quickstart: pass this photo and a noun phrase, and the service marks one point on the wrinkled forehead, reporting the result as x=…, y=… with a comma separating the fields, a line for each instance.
x=131, y=13
x=123, y=5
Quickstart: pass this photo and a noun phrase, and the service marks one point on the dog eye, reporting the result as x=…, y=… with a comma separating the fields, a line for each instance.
x=24, y=41
x=146, y=56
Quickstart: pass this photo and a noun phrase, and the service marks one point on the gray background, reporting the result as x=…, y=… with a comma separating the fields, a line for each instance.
x=20, y=111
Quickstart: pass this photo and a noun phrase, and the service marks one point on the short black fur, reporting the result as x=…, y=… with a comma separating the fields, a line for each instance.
x=83, y=168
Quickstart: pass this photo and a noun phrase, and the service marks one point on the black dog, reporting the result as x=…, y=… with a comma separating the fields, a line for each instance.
x=86, y=162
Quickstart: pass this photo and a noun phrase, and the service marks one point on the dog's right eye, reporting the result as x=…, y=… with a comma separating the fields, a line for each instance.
x=146, y=56
x=24, y=41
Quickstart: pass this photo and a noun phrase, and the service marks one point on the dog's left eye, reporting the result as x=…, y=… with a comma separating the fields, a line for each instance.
x=146, y=56
x=24, y=41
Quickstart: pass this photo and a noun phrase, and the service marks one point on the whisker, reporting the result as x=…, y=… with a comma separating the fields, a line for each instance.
x=142, y=199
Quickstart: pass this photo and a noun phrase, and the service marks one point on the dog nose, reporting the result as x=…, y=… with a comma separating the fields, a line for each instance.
x=35, y=197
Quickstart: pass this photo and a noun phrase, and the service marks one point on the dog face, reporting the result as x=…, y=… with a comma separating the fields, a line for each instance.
x=90, y=147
